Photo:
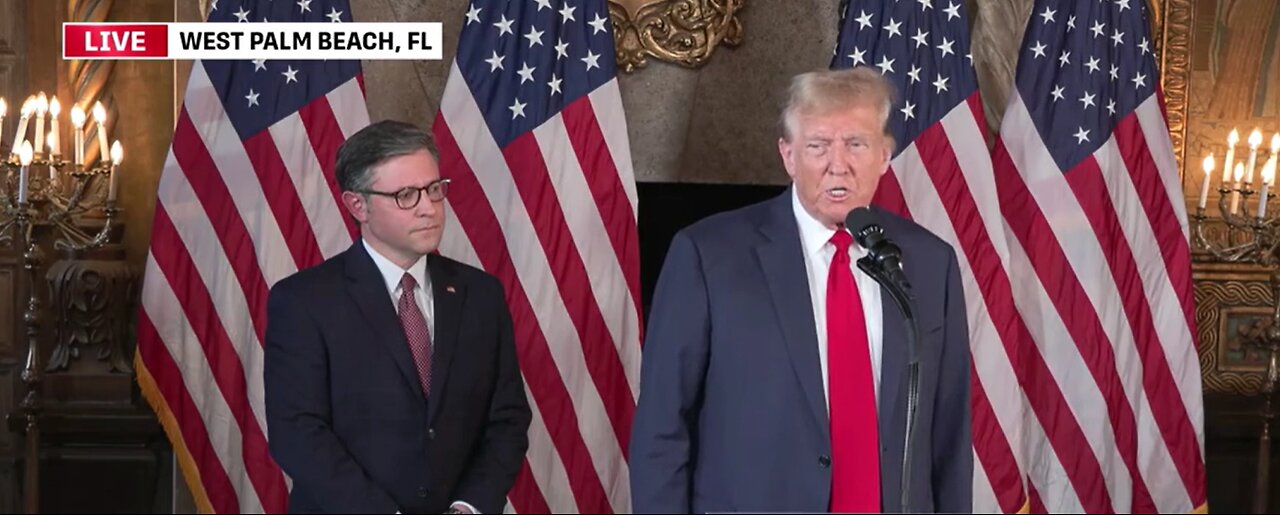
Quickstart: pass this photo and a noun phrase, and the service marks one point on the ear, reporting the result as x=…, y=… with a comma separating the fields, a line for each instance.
x=356, y=205
x=787, y=153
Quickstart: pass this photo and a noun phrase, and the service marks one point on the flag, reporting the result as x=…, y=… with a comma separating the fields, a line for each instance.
x=531, y=132
x=247, y=197
x=1100, y=261
x=940, y=176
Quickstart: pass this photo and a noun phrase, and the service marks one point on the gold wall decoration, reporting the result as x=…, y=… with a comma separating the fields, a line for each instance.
x=685, y=32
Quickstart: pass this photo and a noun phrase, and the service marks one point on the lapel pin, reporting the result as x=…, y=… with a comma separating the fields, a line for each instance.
x=450, y=289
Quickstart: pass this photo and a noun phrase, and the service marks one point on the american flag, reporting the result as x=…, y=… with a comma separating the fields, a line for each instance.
x=1090, y=192
x=941, y=177
x=247, y=197
x=531, y=132
x=1058, y=330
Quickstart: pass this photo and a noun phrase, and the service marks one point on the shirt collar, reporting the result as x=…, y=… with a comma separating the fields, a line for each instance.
x=814, y=236
x=391, y=273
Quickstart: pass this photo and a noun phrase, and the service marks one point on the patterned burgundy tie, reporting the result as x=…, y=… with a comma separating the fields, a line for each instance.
x=416, y=331
x=855, y=437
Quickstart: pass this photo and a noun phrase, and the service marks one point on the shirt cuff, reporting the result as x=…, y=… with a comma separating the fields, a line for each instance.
x=466, y=506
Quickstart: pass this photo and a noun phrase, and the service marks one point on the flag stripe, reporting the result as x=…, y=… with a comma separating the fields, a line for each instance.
x=604, y=272
x=195, y=163
x=998, y=460
x=196, y=233
x=889, y=195
x=282, y=199
x=533, y=183
x=169, y=379
x=613, y=204
x=545, y=380
x=231, y=163
x=607, y=103
x=316, y=194
x=325, y=136
x=176, y=265
x=348, y=106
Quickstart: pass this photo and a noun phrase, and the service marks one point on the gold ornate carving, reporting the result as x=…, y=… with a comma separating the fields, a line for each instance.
x=1174, y=49
x=685, y=32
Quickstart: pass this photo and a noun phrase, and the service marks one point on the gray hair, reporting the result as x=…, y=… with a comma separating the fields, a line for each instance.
x=366, y=149
x=832, y=90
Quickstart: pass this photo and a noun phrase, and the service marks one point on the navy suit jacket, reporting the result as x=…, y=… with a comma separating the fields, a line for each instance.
x=732, y=414
x=345, y=413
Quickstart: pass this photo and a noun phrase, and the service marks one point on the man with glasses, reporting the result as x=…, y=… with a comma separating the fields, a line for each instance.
x=391, y=376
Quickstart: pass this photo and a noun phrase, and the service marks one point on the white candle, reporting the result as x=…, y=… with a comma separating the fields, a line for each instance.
x=42, y=108
x=25, y=155
x=117, y=153
x=3, y=108
x=77, y=121
x=1255, y=141
x=28, y=107
x=55, y=139
x=1235, y=195
x=1204, y=186
x=100, y=116
x=1232, y=140
x=1268, y=179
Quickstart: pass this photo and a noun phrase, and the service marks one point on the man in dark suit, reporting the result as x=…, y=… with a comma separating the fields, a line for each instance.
x=775, y=371
x=391, y=375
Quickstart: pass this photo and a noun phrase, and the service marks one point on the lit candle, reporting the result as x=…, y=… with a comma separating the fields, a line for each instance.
x=3, y=108
x=42, y=107
x=55, y=141
x=1232, y=140
x=1268, y=179
x=117, y=153
x=100, y=116
x=1204, y=187
x=25, y=155
x=77, y=120
x=1235, y=195
x=28, y=107
x=1255, y=141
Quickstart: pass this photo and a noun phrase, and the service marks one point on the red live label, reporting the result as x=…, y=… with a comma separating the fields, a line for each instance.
x=115, y=40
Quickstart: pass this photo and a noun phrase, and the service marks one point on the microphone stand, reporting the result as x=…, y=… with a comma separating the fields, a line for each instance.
x=906, y=304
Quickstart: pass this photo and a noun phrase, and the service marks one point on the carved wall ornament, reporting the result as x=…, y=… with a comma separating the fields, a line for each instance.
x=684, y=32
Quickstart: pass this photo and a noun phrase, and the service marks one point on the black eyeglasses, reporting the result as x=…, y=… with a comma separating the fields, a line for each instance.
x=408, y=198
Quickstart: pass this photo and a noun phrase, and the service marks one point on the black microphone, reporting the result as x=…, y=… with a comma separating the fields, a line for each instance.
x=884, y=264
x=866, y=229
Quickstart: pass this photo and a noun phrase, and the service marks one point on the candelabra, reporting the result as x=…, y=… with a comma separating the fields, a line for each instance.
x=43, y=198
x=1252, y=237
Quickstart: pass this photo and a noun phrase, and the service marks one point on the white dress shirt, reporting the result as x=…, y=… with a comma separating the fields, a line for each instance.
x=392, y=274
x=815, y=239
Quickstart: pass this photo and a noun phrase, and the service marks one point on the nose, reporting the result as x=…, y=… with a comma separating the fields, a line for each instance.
x=840, y=163
x=426, y=207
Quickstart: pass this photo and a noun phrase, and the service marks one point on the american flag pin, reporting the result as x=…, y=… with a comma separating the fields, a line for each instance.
x=450, y=289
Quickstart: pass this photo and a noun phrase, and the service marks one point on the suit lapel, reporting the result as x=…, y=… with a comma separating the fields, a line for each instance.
x=782, y=264
x=369, y=292
x=449, y=296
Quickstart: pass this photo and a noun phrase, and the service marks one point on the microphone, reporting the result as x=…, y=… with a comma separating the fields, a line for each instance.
x=864, y=225
x=884, y=264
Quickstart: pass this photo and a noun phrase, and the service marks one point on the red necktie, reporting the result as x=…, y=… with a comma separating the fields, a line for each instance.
x=416, y=331
x=855, y=438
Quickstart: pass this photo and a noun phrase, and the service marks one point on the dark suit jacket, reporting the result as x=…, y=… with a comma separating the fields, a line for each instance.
x=732, y=414
x=346, y=416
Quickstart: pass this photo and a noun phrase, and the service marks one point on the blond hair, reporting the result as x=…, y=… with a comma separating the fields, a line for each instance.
x=827, y=91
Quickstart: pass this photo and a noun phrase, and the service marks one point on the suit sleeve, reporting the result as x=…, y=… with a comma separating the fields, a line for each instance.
x=952, y=440
x=492, y=470
x=664, y=439
x=299, y=421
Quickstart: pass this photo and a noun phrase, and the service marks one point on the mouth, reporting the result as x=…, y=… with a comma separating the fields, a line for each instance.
x=837, y=194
